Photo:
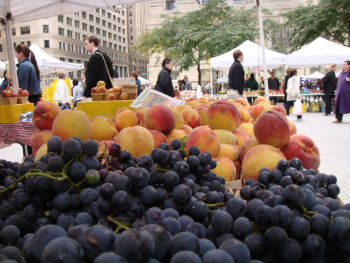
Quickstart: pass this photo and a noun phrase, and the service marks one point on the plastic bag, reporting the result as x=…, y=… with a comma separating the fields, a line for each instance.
x=297, y=108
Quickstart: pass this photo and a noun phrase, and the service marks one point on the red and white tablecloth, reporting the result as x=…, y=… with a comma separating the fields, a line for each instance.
x=19, y=132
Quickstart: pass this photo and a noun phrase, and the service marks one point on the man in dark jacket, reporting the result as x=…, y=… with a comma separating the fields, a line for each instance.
x=274, y=84
x=164, y=83
x=96, y=69
x=329, y=82
x=236, y=77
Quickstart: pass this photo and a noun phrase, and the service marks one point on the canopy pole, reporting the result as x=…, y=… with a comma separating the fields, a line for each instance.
x=262, y=40
x=211, y=82
x=10, y=50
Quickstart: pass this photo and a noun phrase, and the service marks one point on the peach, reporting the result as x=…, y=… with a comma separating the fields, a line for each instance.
x=120, y=111
x=302, y=147
x=280, y=109
x=242, y=136
x=181, y=108
x=187, y=129
x=258, y=157
x=247, y=127
x=245, y=116
x=203, y=115
x=256, y=111
x=238, y=166
x=159, y=117
x=267, y=107
x=261, y=100
x=126, y=118
x=41, y=152
x=225, y=169
x=293, y=128
x=158, y=138
x=106, y=133
x=223, y=115
x=124, y=96
x=230, y=151
x=44, y=114
x=70, y=123
x=191, y=117
x=179, y=121
x=243, y=102
x=193, y=103
x=205, y=139
x=272, y=128
x=226, y=136
x=247, y=145
x=175, y=134
x=140, y=112
x=210, y=102
x=39, y=138
x=137, y=140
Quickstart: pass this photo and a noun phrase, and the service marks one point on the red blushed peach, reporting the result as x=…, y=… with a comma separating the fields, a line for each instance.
x=159, y=117
x=70, y=123
x=242, y=136
x=272, y=128
x=256, y=111
x=223, y=115
x=179, y=121
x=140, y=112
x=44, y=114
x=258, y=157
x=261, y=100
x=203, y=115
x=39, y=138
x=181, y=108
x=243, y=102
x=302, y=147
x=280, y=109
x=245, y=116
x=191, y=117
x=250, y=143
x=120, y=111
x=226, y=136
x=247, y=127
x=158, y=138
x=225, y=169
x=205, y=139
x=108, y=131
x=137, y=140
x=293, y=128
x=126, y=118
x=187, y=129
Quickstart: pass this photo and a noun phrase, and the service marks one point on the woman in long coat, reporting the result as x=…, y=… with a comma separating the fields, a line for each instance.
x=342, y=99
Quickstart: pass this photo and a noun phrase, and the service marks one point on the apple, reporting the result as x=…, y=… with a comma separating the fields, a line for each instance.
x=111, y=97
x=6, y=93
x=10, y=89
x=25, y=93
x=13, y=95
x=19, y=91
x=94, y=90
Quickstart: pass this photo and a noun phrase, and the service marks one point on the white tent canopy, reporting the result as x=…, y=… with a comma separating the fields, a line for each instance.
x=2, y=65
x=223, y=79
x=317, y=53
x=144, y=81
x=252, y=57
x=315, y=75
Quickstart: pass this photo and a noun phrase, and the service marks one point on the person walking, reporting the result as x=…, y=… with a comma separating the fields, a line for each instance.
x=99, y=66
x=28, y=73
x=164, y=83
x=138, y=82
x=285, y=84
x=77, y=92
x=293, y=90
x=236, y=77
x=188, y=84
x=330, y=84
x=342, y=99
x=61, y=95
x=274, y=85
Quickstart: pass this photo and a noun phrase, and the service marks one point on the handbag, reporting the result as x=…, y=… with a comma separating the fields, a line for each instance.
x=109, y=75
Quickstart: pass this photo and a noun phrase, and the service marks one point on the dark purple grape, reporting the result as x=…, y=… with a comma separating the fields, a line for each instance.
x=221, y=221
x=241, y=227
x=185, y=256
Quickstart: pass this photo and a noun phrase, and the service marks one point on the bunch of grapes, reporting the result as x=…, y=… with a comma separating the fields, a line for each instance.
x=74, y=206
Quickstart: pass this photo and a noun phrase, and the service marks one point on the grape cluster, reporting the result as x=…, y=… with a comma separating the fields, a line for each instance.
x=74, y=206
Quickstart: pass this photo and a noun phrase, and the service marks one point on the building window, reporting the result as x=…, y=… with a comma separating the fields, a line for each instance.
x=64, y=46
x=119, y=29
x=98, y=20
x=46, y=43
x=91, y=18
x=76, y=13
x=61, y=31
x=45, y=28
x=124, y=49
x=110, y=45
x=119, y=38
x=110, y=25
x=60, y=45
x=84, y=26
x=97, y=10
x=25, y=30
x=130, y=29
x=109, y=15
x=123, y=31
x=123, y=39
x=114, y=18
x=123, y=22
x=28, y=43
x=109, y=35
x=104, y=33
x=98, y=31
x=69, y=33
x=114, y=36
x=104, y=43
x=62, y=59
x=92, y=29
x=170, y=4
x=83, y=15
x=123, y=13
x=103, y=12
x=130, y=21
x=115, y=46
x=76, y=49
x=13, y=31
x=79, y=49
x=68, y=47
x=0, y=47
x=131, y=37
x=119, y=20
x=69, y=21
x=70, y=60
x=104, y=22
x=77, y=36
x=115, y=27
x=60, y=19
x=130, y=13
x=77, y=24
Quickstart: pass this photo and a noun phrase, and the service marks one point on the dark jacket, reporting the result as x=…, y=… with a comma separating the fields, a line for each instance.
x=138, y=84
x=96, y=71
x=251, y=84
x=164, y=83
x=274, y=83
x=27, y=78
x=285, y=86
x=329, y=83
x=4, y=84
x=236, y=77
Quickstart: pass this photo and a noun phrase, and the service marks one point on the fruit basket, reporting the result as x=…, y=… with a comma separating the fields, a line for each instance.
x=8, y=100
x=22, y=99
x=99, y=96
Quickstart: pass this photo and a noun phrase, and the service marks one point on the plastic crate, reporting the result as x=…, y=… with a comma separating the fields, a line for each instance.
x=10, y=113
x=103, y=108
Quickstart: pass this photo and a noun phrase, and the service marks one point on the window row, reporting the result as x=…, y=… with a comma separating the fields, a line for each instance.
x=81, y=50
x=92, y=18
x=92, y=30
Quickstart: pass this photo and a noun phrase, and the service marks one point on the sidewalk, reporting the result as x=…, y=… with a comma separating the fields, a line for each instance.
x=332, y=140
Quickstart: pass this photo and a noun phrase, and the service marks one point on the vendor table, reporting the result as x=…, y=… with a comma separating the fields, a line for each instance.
x=308, y=96
x=102, y=108
x=19, y=132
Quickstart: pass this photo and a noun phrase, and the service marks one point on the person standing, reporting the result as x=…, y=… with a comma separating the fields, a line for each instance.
x=61, y=95
x=236, y=77
x=164, y=83
x=293, y=90
x=329, y=85
x=98, y=68
x=274, y=85
x=115, y=74
x=83, y=81
x=181, y=86
x=285, y=84
x=188, y=84
x=138, y=82
x=342, y=99
x=77, y=92
x=251, y=84
x=6, y=81
x=28, y=73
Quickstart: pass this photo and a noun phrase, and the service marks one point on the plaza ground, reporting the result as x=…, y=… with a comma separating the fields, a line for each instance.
x=333, y=141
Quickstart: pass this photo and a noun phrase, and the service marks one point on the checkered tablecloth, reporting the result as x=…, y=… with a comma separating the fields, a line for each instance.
x=19, y=132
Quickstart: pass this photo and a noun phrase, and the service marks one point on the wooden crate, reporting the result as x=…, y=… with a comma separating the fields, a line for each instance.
x=99, y=96
x=8, y=101
x=129, y=88
x=22, y=100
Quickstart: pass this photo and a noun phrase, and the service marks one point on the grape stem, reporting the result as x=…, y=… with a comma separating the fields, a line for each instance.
x=118, y=223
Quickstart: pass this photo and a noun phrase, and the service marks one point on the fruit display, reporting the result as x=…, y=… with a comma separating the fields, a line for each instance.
x=100, y=93
x=150, y=186
x=9, y=97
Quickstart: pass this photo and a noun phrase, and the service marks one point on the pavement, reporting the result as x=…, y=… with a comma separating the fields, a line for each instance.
x=332, y=140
